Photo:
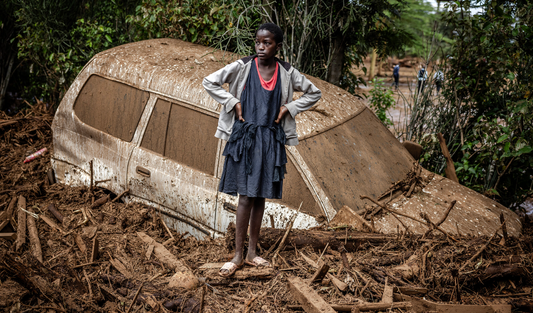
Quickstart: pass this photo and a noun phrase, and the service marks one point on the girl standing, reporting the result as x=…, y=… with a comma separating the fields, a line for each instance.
x=257, y=120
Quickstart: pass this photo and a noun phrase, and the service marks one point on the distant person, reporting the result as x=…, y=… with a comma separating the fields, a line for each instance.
x=439, y=79
x=422, y=76
x=396, y=75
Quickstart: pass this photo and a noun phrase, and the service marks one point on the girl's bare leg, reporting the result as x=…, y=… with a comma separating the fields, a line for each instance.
x=243, y=216
x=256, y=217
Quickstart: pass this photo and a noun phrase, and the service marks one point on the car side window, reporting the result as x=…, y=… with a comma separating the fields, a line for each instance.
x=110, y=106
x=155, y=133
x=183, y=135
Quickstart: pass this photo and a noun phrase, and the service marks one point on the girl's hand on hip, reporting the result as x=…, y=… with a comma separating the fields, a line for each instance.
x=238, y=110
x=282, y=112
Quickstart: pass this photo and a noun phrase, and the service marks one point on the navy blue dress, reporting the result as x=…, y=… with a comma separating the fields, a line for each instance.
x=255, y=152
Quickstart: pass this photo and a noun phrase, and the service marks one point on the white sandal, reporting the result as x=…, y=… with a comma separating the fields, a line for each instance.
x=258, y=261
x=230, y=268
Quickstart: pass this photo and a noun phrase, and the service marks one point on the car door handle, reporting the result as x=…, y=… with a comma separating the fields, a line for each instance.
x=229, y=207
x=142, y=171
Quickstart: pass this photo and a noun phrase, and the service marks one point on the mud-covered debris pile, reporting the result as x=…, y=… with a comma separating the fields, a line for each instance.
x=20, y=136
x=86, y=251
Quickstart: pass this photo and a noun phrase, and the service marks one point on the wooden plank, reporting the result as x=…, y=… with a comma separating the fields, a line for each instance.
x=211, y=271
x=308, y=260
x=149, y=251
x=120, y=267
x=99, y=202
x=461, y=308
x=363, y=307
x=255, y=272
x=420, y=305
x=383, y=306
x=338, y=283
x=411, y=290
x=387, y=293
x=310, y=300
x=334, y=280
x=8, y=235
x=450, y=167
x=184, y=276
x=95, y=252
x=501, y=308
x=52, y=224
x=208, y=266
x=5, y=216
x=21, y=228
x=81, y=245
x=55, y=212
x=33, y=233
x=322, y=270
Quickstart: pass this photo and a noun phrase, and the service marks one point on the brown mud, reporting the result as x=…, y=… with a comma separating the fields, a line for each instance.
x=123, y=273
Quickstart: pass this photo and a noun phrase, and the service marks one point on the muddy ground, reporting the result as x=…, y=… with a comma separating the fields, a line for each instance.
x=125, y=275
x=404, y=94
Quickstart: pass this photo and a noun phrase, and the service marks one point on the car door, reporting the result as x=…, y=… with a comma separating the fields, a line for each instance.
x=99, y=128
x=174, y=165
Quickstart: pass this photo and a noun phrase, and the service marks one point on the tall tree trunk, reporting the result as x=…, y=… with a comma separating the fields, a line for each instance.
x=5, y=80
x=268, y=8
x=372, y=71
x=337, y=60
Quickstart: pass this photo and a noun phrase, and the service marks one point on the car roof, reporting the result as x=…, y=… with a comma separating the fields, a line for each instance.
x=176, y=68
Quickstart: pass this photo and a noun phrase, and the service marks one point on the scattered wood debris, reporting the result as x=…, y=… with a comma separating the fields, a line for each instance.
x=106, y=256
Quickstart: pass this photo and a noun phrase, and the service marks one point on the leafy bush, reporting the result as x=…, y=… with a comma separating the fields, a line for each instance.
x=55, y=40
x=381, y=100
x=197, y=21
x=485, y=109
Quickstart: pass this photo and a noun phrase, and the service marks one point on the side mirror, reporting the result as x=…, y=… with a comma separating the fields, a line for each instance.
x=414, y=149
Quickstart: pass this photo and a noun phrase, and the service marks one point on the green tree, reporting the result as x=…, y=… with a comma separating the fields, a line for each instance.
x=323, y=38
x=198, y=21
x=381, y=99
x=8, y=47
x=418, y=19
x=487, y=120
x=57, y=38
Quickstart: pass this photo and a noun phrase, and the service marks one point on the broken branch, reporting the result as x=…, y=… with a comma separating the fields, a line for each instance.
x=121, y=195
x=21, y=229
x=55, y=212
x=480, y=250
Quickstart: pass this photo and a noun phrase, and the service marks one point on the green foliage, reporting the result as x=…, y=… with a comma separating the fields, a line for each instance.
x=418, y=19
x=8, y=46
x=55, y=41
x=381, y=99
x=57, y=38
x=198, y=21
x=324, y=39
x=487, y=123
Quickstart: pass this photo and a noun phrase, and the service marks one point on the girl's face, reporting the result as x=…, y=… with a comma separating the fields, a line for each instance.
x=265, y=45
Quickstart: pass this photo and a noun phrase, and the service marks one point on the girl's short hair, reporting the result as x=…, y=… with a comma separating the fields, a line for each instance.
x=274, y=29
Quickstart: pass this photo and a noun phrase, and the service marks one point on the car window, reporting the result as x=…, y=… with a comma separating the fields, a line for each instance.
x=191, y=138
x=182, y=134
x=355, y=158
x=110, y=106
x=155, y=133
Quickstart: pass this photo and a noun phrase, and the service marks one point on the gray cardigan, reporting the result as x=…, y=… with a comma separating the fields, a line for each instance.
x=236, y=75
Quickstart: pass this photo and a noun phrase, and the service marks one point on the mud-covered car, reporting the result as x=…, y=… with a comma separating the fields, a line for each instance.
x=140, y=114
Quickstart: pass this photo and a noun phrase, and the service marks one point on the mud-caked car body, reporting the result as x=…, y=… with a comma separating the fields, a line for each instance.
x=140, y=114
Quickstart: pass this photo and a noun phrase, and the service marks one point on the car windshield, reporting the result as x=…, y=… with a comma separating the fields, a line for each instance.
x=355, y=158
